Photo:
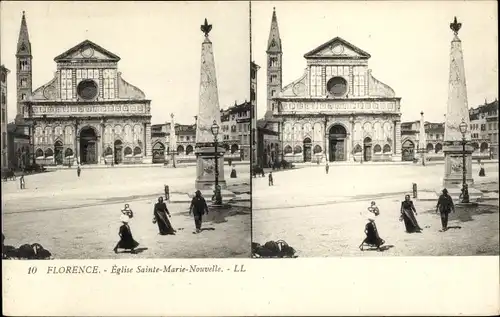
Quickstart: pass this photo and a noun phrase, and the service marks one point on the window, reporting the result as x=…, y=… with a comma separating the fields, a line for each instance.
x=24, y=82
x=252, y=95
x=3, y=99
x=4, y=78
x=483, y=127
x=24, y=65
x=4, y=116
x=274, y=78
x=253, y=73
x=23, y=96
x=273, y=62
x=431, y=136
x=337, y=86
x=4, y=139
x=273, y=93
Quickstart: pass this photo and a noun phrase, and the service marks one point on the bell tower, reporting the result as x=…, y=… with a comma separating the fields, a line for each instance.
x=24, y=67
x=274, y=65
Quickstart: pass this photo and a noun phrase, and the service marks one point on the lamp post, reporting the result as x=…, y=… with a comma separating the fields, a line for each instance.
x=217, y=193
x=465, y=190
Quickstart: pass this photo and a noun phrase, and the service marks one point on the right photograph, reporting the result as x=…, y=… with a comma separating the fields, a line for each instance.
x=376, y=133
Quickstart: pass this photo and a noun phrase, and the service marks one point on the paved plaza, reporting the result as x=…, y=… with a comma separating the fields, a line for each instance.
x=78, y=218
x=319, y=214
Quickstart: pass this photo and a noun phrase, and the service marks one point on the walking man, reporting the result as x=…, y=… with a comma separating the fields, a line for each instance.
x=271, y=179
x=167, y=192
x=198, y=208
x=327, y=167
x=445, y=206
x=78, y=170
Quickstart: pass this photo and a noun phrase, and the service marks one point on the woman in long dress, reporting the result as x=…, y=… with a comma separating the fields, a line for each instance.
x=161, y=215
x=126, y=242
x=371, y=231
x=408, y=213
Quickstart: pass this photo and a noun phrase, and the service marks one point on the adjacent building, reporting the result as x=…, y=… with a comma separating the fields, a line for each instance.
x=236, y=130
x=87, y=113
x=254, y=68
x=410, y=140
x=3, y=101
x=484, y=128
x=337, y=110
x=185, y=142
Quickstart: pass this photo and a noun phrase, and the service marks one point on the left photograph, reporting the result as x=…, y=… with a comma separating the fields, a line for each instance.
x=125, y=130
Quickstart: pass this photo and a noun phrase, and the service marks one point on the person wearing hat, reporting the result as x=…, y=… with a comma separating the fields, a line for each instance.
x=371, y=231
x=445, y=206
x=126, y=242
x=408, y=213
x=127, y=211
x=198, y=208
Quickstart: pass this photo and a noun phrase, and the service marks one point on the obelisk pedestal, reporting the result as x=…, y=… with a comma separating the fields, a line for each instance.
x=457, y=111
x=208, y=113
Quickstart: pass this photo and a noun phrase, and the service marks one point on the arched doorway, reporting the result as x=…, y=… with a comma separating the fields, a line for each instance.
x=408, y=150
x=58, y=152
x=88, y=146
x=158, y=153
x=367, y=149
x=118, y=151
x=307, y=150
x=337, y=136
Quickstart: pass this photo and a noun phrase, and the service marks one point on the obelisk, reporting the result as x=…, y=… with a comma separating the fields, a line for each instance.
x=457, y=111
x=422, y=139
x=173, y=141
x=208, y=114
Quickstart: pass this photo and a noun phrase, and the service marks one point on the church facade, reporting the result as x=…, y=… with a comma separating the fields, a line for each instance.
x=87, y=113
x=337, y=110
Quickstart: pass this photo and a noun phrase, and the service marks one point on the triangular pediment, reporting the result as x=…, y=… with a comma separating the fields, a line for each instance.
x=87, y=50
x=337, y=48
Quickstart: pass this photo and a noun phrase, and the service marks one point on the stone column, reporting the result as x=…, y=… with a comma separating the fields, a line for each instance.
x=208, y=113
x=457, y=111
x=101, y=139
x=351, y=152
x=147, y=154
x=173, y=142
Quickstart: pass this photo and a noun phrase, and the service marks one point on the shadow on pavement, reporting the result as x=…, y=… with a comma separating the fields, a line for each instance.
x=136, y=251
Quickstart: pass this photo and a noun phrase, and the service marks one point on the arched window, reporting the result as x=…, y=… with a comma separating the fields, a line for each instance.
x=377, y=149
x=127, y=151
x=180, y=150
x=108, y=151
x=438, y=148
x=137, y=150
x=39, y=153
x=358, y=149
x=288, y=149
x=234, y=148
x=189, y=149
x=49, y=152
x=317, y=149
x=387, y=148
x=430, y=147
x=68, y=152
x=297, y=149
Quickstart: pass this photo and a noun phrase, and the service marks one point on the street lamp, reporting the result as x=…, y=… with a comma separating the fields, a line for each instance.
x=465, y=190
x=217, y=193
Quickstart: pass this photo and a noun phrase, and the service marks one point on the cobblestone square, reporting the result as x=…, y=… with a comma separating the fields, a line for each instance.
x=78, y=218
x=319, y=214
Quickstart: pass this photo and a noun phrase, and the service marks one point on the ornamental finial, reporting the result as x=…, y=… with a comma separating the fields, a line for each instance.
x=206, y=28
x=172, y=115
x=455, y=26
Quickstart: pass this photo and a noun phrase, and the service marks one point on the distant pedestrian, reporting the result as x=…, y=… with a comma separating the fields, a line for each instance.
x=445, y=206
x=481, y=170
x=198, y=208
x=22, y=183
x=127, y=241
x=78, y=170
x=167, y=192
x=233, y=172
x=327, y=168
x=271, y=179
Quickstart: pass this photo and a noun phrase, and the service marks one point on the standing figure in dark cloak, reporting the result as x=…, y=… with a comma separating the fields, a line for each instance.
x=445, y=206
x=233, y=172
x=271, y=183
x=198, y=208
x=327, y=167
x=481, y=170
x=161, y=215
x=126, y=242
x=408, y=213
x=78, y=170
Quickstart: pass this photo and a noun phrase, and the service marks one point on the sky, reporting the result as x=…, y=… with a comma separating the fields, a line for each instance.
x=159, y=44
x=409, y=44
